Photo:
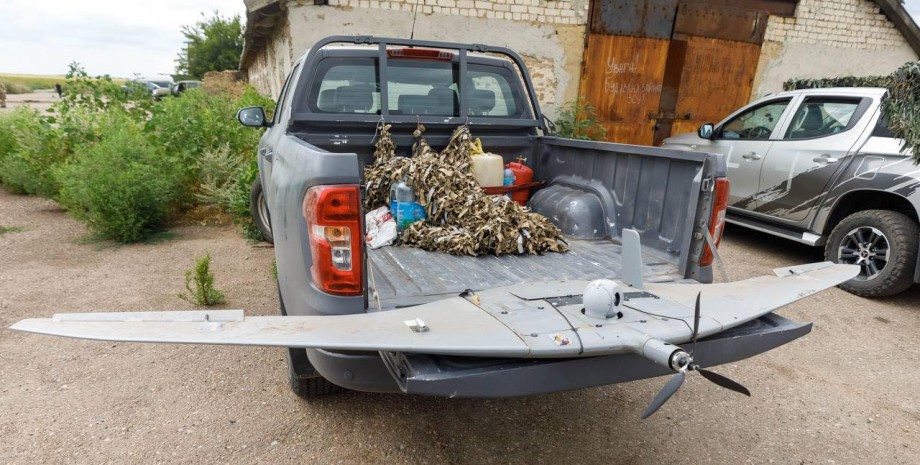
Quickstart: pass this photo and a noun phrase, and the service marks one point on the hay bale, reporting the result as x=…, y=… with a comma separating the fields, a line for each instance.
x=224, y=82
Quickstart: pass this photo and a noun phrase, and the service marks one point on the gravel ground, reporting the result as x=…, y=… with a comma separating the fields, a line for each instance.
x=843, y=394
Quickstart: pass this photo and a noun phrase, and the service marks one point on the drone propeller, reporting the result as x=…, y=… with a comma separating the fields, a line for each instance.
x=665, y=393
x=682, y=362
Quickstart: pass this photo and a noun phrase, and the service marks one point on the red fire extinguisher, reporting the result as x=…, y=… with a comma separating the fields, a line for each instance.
x=522, y=175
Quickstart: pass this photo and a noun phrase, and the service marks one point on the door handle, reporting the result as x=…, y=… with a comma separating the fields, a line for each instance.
x=825, y=158
x=267, y=154
x=751, y=156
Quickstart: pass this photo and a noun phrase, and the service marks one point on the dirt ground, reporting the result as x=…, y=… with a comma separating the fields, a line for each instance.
x=844, y=394
x=40, y=100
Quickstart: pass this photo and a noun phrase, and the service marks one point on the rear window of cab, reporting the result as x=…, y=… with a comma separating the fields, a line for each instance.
x=349, y=85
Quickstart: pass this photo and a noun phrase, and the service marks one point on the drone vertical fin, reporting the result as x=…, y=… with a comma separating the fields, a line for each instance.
x=632, y=258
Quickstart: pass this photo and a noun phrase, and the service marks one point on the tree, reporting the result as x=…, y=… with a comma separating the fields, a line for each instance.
x=212, y=44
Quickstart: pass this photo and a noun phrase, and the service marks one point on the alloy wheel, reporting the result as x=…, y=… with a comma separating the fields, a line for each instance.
x=867, y=247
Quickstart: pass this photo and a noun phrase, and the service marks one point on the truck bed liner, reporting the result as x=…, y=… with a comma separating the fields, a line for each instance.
x=410, y=276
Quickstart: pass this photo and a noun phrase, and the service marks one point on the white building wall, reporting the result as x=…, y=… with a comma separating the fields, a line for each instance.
x=829, y=38
x=548, y=34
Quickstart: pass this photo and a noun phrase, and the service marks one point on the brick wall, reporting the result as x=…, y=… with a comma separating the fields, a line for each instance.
x=837, y=23
x=542, y=11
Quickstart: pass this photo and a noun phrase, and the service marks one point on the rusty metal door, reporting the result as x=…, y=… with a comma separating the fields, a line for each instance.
x=622, y=79
x=624, y=65
x=712, y=59
x=653, y=68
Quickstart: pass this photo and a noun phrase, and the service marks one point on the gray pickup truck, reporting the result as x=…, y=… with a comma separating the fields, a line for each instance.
x=819, y=166
x=311, y=161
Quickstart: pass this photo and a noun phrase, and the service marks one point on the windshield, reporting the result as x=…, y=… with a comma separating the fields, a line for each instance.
x=414, y=87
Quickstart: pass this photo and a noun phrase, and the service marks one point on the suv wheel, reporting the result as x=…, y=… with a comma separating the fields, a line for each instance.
x=883, y=243
x=258, y=208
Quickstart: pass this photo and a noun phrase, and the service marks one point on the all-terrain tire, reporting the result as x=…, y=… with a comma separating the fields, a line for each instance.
x=305, y=381
x=258, y=208
x=901, y=234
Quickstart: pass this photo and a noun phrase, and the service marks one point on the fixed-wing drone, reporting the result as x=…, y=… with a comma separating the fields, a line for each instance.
x=555, y=319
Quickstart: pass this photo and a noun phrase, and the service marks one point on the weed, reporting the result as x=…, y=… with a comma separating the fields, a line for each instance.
x=578, y=120
x=274, y=269
x=200, y=276
x=13, y=229
x=217, y=180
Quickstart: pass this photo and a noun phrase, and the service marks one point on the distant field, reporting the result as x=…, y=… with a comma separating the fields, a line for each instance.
x=25, y=83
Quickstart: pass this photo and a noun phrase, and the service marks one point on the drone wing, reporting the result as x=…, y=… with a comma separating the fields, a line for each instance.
x=529, y=320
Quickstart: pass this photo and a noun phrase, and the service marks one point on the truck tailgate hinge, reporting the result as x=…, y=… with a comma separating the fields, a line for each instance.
x=708, y=184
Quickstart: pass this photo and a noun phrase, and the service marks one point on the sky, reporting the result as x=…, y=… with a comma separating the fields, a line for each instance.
x=118, y=38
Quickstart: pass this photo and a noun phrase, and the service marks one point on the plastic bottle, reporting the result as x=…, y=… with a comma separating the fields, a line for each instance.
x=408, y=210
x=508, y=179
x=393, y=201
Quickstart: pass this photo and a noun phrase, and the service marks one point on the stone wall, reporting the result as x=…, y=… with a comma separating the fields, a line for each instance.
x=829, y=38
x=272, y=64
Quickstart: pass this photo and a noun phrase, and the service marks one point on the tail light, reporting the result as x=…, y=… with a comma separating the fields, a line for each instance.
x=333, y=215
x=717, y=221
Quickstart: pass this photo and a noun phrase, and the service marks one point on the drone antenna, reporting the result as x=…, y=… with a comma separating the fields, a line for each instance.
x=414, y=17
x=696, y=322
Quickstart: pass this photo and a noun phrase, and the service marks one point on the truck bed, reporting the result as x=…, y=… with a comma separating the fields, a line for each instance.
x=406, y=276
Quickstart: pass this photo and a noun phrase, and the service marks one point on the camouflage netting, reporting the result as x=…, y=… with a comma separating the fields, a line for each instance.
x=845, y=81
x=462, y=219
x=900, y=108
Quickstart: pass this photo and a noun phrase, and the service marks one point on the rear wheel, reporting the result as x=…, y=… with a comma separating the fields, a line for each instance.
x=883, y=244
x=305, y=381
x=258, y=208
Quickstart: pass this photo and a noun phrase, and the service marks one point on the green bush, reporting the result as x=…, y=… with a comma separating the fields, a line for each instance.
x=197, y=125
x=578, y=120
x=122, y=186
x=102, y=152
x=30, y=149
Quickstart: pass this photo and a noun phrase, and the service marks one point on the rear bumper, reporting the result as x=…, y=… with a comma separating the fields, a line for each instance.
x=477, y=377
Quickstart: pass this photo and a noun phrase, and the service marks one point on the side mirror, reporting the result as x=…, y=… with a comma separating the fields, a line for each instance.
x=706, y=131
x=253, y=117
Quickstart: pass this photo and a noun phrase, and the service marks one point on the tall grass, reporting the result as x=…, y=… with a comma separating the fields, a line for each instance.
x=26, y=83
